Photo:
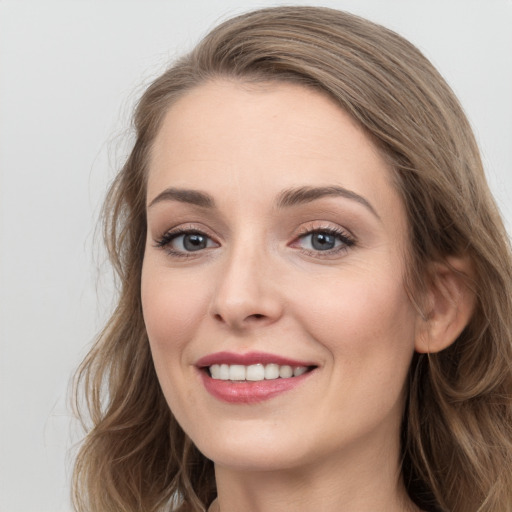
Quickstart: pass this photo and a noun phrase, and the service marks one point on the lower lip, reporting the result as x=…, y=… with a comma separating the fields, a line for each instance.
x=247, y=392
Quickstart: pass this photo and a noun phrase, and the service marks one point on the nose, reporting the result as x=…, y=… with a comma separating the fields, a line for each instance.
x=247, y=295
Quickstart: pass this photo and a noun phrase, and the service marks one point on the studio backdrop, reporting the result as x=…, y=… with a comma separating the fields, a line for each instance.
x=70, y=73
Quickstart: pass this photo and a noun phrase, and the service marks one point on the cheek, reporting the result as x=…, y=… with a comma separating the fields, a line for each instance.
x=367, y=328
x=172, y=308
x=365, y=319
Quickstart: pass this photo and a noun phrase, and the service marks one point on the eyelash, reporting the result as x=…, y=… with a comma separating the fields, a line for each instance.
x=341, y=235
x=346, y=239
x=165, y=241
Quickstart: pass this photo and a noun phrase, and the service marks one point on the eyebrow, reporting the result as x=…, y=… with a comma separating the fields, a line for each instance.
x=302, y=195
x=286, y=199
x=184, y=196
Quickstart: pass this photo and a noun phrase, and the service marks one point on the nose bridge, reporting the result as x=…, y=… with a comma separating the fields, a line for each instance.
x=246, y=291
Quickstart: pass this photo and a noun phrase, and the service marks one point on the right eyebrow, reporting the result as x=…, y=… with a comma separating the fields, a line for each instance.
x=302, y=195
x=184, y=195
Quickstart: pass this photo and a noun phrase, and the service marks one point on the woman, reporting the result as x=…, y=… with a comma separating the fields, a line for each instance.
x=315, y=304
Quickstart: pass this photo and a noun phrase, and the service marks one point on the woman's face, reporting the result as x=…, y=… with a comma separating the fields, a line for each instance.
x=276, y=246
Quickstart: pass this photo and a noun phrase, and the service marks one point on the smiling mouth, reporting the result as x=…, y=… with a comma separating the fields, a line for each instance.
x=252, y=377
x=255, y=372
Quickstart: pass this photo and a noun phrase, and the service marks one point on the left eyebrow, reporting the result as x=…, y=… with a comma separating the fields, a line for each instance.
x=301, y=195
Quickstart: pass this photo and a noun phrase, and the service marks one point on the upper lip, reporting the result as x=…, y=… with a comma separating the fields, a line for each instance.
x=248, y=359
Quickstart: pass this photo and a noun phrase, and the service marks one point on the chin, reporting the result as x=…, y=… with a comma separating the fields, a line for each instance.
x=257, y=458
x=251, y=449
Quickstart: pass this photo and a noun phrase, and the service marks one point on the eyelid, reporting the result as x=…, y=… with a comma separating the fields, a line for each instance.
x=165, y=240
x=186, y=227
x=342, y=234
x=318, y=226
x=347, y=239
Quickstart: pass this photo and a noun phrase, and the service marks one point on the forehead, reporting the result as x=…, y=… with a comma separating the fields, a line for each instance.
x=251, y=141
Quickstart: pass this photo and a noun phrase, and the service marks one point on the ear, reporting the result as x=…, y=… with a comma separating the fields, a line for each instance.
x=449, y=305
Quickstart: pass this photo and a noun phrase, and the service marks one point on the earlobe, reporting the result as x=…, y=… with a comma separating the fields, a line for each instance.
x=449, y=305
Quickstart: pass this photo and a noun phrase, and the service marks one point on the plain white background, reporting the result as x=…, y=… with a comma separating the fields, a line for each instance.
x=70, y=72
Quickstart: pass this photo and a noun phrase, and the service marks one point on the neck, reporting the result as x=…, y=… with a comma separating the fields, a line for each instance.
x=340, y=483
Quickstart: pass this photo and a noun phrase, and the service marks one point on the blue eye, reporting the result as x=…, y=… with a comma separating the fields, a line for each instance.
x=324, y=240
x=183, y=242
x=191, y=242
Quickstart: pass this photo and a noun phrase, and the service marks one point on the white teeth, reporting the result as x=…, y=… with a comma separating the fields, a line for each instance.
x=285, y=372
x=236, y=372
x=224, y=372
x=255, y=372
x=215, y=371
x=271, y=371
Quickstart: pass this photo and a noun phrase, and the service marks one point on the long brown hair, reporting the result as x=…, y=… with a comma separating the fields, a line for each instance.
x=457, y=426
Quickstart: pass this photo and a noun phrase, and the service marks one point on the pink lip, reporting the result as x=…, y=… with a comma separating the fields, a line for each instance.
x=248, y=392
x=247, y=359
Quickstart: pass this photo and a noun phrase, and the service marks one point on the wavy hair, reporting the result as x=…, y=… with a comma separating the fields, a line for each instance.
x=457, y=426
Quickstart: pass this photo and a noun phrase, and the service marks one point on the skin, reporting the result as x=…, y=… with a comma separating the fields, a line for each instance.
x=259, y=284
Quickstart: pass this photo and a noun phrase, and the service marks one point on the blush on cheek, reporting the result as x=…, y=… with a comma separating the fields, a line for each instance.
x=170, y=316
x=362, y=315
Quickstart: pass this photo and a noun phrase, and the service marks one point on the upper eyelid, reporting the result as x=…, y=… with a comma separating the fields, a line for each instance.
x=349, y=240
x=323, y=228
x=189, y=228
x=318, y=225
